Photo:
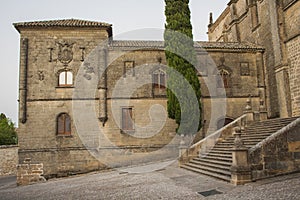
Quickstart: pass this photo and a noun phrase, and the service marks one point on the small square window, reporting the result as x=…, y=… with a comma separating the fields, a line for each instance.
x=245, y=70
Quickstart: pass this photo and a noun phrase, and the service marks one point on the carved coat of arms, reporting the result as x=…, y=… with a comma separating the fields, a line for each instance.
x=65, y=53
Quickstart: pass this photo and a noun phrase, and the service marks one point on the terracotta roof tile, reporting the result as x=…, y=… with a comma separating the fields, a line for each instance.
x=62, y=23
x=134, y=44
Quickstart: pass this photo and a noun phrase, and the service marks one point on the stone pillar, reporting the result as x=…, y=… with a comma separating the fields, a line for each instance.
x=240, y=169
x=263, y=114
x=248, y=111
x=103, y=86
x=183, y=152
x=283, y=90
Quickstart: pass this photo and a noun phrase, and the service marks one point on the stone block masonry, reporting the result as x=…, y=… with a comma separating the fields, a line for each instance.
x=8, y=160
x=28, y=173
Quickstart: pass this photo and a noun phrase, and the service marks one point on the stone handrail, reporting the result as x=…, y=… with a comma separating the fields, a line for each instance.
x=205, y=145
x=265, y=158
x=284, y=130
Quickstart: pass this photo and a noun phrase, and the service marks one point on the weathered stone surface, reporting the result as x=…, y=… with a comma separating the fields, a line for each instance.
x=8, y=160
x=253, y=22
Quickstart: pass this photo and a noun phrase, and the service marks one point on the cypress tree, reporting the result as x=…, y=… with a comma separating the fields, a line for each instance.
x=181, y=58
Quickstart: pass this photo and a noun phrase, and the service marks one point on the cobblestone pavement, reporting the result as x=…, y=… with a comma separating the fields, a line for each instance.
x=170, y=182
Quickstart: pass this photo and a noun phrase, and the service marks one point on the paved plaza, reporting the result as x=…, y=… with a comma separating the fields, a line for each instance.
x=157, y=181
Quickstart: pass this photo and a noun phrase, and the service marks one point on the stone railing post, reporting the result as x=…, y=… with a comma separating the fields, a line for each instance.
x=240, y=169
x=248, y=111
x=263, y=114
x=183, y=152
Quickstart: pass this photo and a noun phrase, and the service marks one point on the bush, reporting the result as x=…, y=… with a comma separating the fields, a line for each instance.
x=8, y=135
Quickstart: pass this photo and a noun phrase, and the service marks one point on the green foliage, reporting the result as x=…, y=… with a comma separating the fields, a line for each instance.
x=181, y=57
x=8, y=135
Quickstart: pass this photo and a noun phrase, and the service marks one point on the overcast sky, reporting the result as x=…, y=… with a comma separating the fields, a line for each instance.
x=125, y=15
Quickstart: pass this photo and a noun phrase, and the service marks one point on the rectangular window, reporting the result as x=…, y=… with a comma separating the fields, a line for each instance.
x=127, y=121
x=162, y=80
x=128, y=69
x=245, y=70
x=155, y=81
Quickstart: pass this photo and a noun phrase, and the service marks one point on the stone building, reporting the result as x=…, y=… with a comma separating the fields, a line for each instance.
x=275, y=26
x=76, y=81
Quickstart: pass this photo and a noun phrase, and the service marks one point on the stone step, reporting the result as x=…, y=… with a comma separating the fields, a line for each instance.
x=223, y=152
x=223, y=148
x=211, y=169
x=229, y=147
x=208, y=173
x=270, y=124
x=255, y=130
x=218, y=162
x=250, y=139
x=209, y=164
x=220, y=155
x=218, y=158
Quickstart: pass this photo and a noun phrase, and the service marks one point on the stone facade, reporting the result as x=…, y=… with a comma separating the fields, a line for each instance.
x=74, y=84
x=8, y=160
x=275, y=26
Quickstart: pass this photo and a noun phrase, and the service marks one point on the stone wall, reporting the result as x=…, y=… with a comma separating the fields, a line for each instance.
x=294, y=72
x=292, y=24
x=29, y=173
x=278, y=154
x=8, y=160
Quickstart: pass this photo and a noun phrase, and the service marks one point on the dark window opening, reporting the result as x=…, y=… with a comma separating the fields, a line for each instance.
x=63, y=124
x=127, y=121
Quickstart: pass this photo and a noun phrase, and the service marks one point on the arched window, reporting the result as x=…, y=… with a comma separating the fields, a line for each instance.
x=63, y=124
x=65, y=78
x=223, y=79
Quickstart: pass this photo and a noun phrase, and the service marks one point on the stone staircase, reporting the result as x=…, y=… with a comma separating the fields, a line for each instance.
x=218, y=161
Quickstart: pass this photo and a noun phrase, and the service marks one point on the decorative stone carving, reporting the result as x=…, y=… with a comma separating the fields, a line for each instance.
x=128, y=69
x=50, y=54
x=65, y=53
x=82, y=53
x=88, y=71
x=41, y=75
x=238, y=142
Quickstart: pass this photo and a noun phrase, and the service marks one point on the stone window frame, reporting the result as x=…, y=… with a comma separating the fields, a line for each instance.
x=63, y=124
x=128, y=65
x=223, y=77
x=124, y=128
x=65, y=84
x=159, y=84
x=245, y=72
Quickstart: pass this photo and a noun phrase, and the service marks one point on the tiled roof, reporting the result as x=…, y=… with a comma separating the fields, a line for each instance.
x=62, y=23
x=137, y=43
x=230, y=45
x=205, y=45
